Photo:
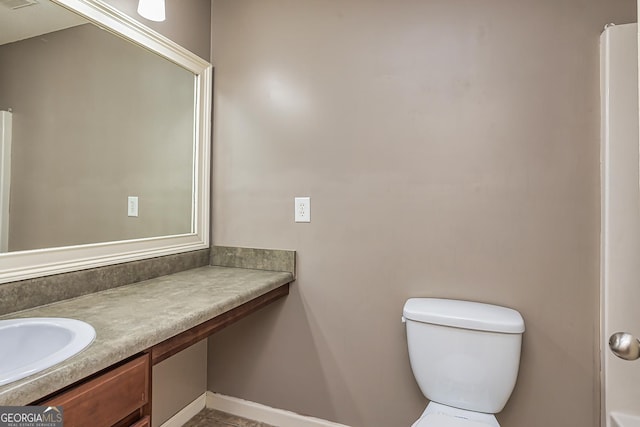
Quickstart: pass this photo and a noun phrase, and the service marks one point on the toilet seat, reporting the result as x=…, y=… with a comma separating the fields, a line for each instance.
x=439, y=415
x=440, y=420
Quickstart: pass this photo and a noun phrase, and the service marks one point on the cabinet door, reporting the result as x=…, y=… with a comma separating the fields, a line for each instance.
x=108, y=398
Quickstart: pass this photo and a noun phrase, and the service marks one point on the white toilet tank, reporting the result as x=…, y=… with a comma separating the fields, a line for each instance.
x=464, y=354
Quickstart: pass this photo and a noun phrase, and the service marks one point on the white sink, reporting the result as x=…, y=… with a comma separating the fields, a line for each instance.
x=34, y=344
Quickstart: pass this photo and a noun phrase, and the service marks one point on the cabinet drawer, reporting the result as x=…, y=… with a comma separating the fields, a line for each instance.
x=108, y=398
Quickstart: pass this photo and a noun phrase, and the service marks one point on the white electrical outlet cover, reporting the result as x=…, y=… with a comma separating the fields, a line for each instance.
x=302, y=208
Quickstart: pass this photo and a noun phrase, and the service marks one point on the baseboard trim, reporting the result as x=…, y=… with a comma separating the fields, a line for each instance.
x=262, y=413
x=188, y=412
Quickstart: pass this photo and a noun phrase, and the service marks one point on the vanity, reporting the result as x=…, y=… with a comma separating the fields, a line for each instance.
x=138, y=326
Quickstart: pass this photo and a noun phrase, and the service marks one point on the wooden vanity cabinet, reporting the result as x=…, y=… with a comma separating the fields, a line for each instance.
x=121, y=396
x=118, y=397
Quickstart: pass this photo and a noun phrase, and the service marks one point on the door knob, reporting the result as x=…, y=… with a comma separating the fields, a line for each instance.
x=625, y=346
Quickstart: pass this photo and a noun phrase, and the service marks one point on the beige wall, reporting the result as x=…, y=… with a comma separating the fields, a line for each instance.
x=95, y=120
x=450, y=149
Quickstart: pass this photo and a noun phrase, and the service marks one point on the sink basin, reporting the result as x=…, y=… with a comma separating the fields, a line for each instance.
x=34, y=344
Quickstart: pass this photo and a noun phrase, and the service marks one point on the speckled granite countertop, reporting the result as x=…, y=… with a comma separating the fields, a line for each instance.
x=133, y=318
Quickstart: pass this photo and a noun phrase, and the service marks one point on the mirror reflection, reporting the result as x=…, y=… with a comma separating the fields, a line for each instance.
x=97, y=134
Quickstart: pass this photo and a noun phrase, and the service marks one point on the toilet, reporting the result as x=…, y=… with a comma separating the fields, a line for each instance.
x=465, y=358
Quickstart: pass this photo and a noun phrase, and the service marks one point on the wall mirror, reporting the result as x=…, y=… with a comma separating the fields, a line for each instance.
x=104, y=140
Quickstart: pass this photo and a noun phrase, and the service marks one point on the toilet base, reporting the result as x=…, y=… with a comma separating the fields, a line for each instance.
x=437, y=414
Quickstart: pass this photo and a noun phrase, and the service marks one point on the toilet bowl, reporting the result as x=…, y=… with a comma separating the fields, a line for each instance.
x=465, y=357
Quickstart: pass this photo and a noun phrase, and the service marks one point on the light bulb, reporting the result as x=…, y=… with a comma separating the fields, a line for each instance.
x=152, y=10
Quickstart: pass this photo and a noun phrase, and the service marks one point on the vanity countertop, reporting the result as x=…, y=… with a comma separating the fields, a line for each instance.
x=133, y=318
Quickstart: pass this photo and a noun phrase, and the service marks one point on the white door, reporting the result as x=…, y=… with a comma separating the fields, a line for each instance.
x=620, y=248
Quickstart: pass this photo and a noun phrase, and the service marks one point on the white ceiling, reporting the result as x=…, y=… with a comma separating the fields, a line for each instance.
x=30, y=21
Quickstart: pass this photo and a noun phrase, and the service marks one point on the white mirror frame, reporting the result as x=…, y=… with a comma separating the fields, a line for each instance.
x=43, y=262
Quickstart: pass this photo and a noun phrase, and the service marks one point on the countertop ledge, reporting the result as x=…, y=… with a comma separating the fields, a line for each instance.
x=133, y=318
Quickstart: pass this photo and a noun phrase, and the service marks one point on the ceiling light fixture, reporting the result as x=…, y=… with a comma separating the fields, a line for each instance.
x=152, y=10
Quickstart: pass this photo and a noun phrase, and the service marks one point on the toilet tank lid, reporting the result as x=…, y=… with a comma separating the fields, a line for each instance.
x=464, y=314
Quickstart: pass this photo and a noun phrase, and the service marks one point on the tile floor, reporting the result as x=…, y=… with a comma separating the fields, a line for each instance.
x=213, y=418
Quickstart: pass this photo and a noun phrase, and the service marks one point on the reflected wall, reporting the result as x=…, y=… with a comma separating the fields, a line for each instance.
x=95, y=120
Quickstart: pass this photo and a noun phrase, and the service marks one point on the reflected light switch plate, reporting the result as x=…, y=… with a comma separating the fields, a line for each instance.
x=132, y=206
